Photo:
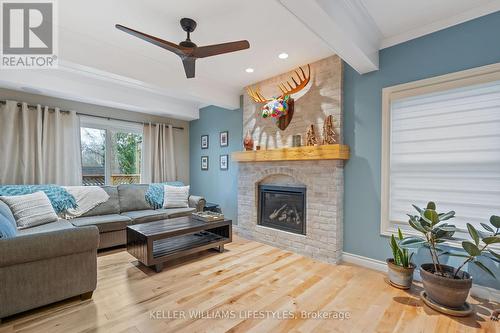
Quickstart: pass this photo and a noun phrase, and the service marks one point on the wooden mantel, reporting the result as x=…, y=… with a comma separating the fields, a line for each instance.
x=305, y=153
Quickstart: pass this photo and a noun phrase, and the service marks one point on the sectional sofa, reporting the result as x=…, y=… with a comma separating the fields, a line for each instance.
x=55, y=261
x=127, y=205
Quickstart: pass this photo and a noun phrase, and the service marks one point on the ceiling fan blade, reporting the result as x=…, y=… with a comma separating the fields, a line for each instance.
x=179, y=50
x=212, y=50
x=189, y=66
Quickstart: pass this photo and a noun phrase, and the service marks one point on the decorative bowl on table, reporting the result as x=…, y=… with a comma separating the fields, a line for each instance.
x=207, y=216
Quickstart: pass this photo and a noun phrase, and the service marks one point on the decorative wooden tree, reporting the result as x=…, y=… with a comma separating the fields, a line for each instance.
x=329, y=134
x=311, y=138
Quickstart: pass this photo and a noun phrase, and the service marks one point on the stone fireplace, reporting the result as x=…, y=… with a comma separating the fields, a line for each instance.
x=295, y=205
x=324, y=185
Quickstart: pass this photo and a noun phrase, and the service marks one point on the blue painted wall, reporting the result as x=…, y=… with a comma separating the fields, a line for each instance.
x=471, y=44
x=215, y=185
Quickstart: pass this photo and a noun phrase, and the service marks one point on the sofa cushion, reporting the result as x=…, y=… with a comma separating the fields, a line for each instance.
x=133, y=197
x=148, y=215
x=104, y=223
x=30, y=210
x=178, y=212
x=112, y=206
x=54, y=226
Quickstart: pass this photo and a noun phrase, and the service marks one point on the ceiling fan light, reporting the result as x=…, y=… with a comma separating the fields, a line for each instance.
x=249, y=70
x=283, y=55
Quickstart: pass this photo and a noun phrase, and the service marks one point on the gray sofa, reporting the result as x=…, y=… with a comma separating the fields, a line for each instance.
x=127, y=205
x=55, y=261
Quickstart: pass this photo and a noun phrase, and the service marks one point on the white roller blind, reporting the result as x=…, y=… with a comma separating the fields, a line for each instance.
x=445, y=147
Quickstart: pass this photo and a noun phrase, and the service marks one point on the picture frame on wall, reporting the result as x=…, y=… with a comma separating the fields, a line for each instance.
x=204, y=163
x=224, y=138
x=224, y=162
x=204, y=141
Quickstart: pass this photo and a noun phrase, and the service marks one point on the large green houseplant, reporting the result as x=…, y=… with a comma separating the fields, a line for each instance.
x=442, y=283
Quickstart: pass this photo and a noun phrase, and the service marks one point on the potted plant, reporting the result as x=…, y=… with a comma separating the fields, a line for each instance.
x=400, y=267
x=444, y=284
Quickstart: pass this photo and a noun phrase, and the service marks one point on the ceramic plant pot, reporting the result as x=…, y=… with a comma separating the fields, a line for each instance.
x=401, y=277
x=446, y=291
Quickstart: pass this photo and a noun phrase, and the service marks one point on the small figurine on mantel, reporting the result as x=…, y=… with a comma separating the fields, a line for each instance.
x=311, y=139
x=248, y=141
x=329, y=131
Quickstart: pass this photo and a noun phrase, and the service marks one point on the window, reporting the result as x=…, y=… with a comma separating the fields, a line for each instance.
x=93, y=146
x=111, y=152
x=441, y=142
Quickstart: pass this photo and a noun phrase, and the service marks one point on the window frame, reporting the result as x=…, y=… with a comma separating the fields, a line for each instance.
x=479, y=75
x=110, y=125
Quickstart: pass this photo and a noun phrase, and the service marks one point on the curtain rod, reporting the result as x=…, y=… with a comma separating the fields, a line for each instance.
x=91, y=115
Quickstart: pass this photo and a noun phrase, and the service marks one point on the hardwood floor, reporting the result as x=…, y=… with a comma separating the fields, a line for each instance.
x=247, y=277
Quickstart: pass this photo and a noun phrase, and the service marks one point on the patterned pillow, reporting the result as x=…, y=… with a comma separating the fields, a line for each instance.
x=156, y=193
x=31, y=210
x=60, y=199
x=176, y=197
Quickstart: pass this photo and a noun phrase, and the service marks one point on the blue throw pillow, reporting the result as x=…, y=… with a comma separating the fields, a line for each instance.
x=6, y=212
x=156, y=192
x=7, y=229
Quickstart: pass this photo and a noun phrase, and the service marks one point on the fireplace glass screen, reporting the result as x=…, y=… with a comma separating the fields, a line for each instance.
x=283, y=208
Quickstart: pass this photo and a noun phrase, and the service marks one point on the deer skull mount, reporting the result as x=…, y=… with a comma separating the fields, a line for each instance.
x=281, y=108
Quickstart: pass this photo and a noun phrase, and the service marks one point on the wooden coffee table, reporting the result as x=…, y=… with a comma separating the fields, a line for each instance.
x=153, y=243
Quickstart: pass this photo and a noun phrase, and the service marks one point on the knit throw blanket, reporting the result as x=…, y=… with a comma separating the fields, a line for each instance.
x=87, y=198
x=60, y=199
x=156, y=193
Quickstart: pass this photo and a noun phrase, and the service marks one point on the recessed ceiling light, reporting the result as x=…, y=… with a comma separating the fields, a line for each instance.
x=283, y=55
x=249, y=70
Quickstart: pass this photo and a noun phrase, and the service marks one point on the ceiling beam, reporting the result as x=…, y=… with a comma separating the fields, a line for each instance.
x=345, y=26
x=77, y=85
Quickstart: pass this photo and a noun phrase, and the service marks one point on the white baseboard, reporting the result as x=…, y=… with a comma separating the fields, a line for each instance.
x=486, y=293
x=490, y=294
x=356, y=259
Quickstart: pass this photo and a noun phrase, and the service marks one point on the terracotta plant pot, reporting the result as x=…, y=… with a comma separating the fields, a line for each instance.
x=401, y=277
x=446, y=291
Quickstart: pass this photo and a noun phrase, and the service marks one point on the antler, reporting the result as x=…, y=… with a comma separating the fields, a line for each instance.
x=257, y=96
x=286, y=88
x=297, y=86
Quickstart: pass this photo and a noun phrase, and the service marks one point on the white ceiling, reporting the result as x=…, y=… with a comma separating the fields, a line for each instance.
x=123, y=71
x=399, y=21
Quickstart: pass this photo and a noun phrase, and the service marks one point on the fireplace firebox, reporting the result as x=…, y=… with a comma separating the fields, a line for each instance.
x=283, y=208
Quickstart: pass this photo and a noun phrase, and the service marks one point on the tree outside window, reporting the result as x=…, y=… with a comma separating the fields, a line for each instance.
x=123, y=160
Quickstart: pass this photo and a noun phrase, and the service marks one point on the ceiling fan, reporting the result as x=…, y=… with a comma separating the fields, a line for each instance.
x=187, y=50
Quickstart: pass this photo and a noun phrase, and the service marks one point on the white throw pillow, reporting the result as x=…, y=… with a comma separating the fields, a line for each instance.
x=176, y=197
x=31, y=209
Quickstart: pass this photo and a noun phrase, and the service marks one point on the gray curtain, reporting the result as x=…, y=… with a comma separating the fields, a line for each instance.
x=39, y=146
x=158, y=154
